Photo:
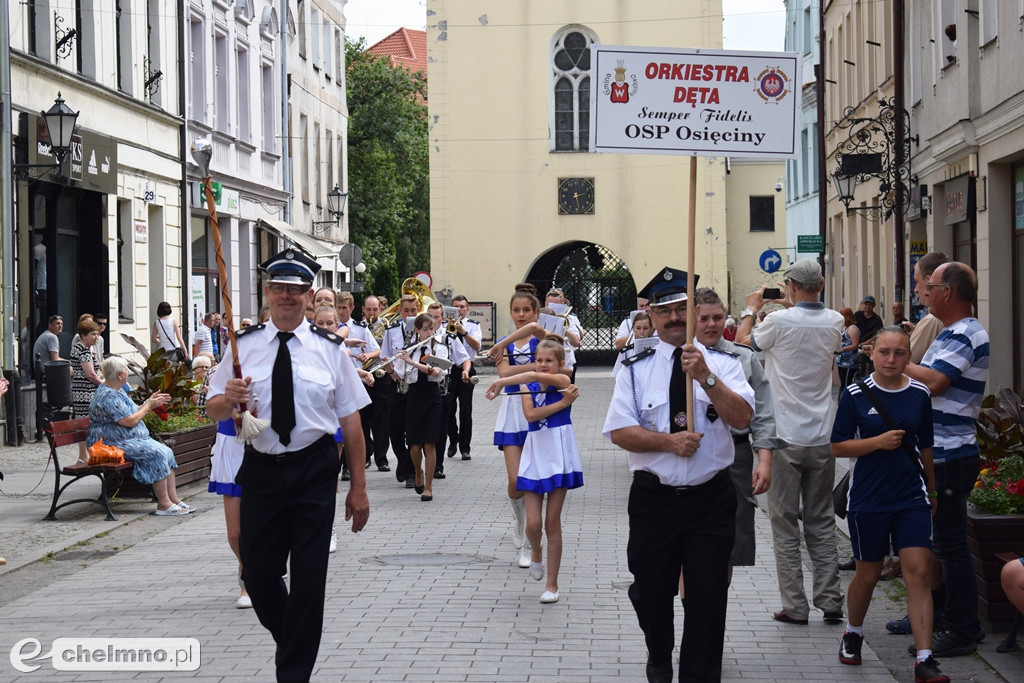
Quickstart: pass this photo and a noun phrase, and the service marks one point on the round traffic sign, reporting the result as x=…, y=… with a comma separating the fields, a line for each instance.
x=770, y=260
x=424, y=277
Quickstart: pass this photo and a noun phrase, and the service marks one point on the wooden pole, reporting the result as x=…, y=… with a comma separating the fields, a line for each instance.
x=691, y=310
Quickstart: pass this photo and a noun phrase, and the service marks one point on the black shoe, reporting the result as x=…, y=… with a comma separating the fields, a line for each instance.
x=440, y=475
x=833, y=617
x=410, y=483
x=345, y=475
x=451, y=450
x=948, y=644
x=659, y=673
x=418, y=489
x=367, y=464
x=465, y=456
x=383, y=468
x=928, y=672
x=848, y=566
x=900, y=627
x=849, y=648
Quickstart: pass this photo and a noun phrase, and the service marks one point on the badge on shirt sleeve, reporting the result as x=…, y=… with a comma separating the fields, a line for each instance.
x=680, y=420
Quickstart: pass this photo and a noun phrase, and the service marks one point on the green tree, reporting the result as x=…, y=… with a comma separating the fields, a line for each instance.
x=388, y=168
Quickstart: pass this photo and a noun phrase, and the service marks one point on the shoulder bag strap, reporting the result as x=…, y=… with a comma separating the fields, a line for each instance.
x=169, y=337
x=887, y=418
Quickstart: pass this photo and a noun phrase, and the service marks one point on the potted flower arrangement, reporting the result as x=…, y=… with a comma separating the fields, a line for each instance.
x=995, y=517
x=179, y=424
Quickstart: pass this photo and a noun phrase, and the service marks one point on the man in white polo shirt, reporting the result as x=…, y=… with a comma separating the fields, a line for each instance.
x=799, y=344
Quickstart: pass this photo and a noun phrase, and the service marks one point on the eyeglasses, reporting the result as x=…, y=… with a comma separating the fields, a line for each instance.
x=294, y=290
x=667, y=312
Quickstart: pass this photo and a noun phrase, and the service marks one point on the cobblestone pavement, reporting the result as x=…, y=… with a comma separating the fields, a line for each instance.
x=428, y=591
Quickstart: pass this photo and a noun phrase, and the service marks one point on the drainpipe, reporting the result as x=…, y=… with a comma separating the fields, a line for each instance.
x=900, y=102
x=822, y=156
x=186, y=214
x=10, y=320
x=285, y=162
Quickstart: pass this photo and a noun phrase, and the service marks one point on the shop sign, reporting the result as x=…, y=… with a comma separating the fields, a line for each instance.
x=141, y=232
x=916, y=207
x=92, y=163
x=959, y=195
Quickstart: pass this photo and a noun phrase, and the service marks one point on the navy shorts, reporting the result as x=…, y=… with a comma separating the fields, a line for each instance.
x=872, y=532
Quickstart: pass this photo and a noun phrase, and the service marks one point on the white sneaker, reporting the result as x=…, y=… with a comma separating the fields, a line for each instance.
x=548, y=597
x=173, y=511
x=334, y=543
x=524, y=556
x=536, y=570
x=243, y=602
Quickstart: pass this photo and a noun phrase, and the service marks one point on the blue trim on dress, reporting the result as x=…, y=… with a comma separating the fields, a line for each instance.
x=572, y=480
x=514, y=360
x=509, y=438
x=222, y=489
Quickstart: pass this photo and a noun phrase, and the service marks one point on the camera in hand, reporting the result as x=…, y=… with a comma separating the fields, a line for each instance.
x=772, y=293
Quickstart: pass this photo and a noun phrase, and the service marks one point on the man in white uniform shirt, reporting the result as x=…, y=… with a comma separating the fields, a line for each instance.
x=460, y=433
x=361, y=347
x=307, y=390
x=682, y=504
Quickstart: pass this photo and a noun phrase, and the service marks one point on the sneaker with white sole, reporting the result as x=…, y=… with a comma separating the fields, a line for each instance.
x=173, y=511
x=849, y=648
x=524, y=556
x=333, y=548
x=536, y=570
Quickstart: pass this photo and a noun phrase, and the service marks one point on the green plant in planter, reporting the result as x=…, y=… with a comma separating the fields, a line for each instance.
x=163, y=372
x=1000, y=486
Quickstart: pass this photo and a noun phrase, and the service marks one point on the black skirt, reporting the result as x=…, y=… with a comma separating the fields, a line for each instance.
x=423, y=413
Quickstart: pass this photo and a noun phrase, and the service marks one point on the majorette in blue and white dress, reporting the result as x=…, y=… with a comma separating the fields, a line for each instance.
x=551, y=458
x=227, y=458
x=511, y=426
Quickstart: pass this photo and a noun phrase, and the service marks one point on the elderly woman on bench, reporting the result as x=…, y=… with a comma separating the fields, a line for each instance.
x=115, y=418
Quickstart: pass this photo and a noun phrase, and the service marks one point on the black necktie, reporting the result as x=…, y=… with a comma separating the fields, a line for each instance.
x=282, y=416
x=677, y=394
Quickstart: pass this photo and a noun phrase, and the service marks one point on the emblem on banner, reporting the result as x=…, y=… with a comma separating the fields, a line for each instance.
x=623, y=86
x=772, y=85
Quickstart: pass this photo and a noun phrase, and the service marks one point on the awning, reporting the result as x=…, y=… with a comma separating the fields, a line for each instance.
x=318, y=249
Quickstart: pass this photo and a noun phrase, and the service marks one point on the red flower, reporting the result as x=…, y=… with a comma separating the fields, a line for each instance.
x=161, y=412
x=997, y=485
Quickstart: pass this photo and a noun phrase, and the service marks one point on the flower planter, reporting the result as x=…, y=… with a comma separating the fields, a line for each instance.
x=192, y=450
x=988, y=535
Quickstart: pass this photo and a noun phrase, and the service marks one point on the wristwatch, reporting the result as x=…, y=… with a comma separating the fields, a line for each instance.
x=745, y=312
x=710, y=381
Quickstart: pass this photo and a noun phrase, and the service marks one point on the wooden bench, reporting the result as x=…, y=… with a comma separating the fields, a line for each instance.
x=1009, y=644
x=67, y=433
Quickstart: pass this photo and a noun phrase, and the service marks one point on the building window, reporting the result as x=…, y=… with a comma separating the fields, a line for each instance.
x=314, y=34
x=1017, y=300
x=123, y=39
x=197, y=60
x=989, y=21
x=762, y=214
x=301, y=20
x=220, y=82
x=570, y=77
x=339, y=59
x=125, y=261
x=318, y=193
x=244, y=116
x=303, y=141
x=269, y=135
x=947, y=33
x=153, y=37
x=326, y=52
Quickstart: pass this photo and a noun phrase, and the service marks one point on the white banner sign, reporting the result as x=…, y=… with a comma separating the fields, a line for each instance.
x=647, y=100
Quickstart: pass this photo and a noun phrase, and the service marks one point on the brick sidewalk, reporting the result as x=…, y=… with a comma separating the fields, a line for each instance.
x=430, y=591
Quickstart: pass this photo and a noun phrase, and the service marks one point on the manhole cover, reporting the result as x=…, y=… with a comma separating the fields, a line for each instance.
x=427, y=559
x=84, y=555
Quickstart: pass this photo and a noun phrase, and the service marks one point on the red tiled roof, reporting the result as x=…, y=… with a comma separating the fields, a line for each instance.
x=405, y=47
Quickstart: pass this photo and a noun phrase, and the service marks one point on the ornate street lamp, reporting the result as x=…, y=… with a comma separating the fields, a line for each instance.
x=60, y=129
x=336, y=200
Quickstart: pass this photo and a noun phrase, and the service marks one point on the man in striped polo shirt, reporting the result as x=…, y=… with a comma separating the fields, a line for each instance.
x=955, y=369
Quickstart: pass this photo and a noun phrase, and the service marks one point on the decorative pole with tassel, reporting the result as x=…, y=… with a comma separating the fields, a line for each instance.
x=247, y=425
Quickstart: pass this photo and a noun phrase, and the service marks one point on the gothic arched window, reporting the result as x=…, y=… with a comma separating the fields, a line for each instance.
x=570, y=82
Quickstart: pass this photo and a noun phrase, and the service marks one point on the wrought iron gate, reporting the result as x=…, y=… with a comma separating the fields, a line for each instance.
x=599, y=287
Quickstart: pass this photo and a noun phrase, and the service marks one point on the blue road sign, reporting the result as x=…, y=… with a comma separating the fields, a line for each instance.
x=770, y=261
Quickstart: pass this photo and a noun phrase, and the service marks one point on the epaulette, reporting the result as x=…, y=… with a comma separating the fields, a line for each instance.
x=646, y=353
x=723, y=352
x=744, y=346
x=396, y=323
x=469, y=321
x=327, y=334
x=358, y=323
x=248, y=330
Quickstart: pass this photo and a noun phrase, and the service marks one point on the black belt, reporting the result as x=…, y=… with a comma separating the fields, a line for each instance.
x=741, y=438
x=321, y=443
x=646, y=480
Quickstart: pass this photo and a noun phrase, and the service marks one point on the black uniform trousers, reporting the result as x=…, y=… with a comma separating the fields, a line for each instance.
x=288, y=509
x=691, y=529
x=447, y=407
x=374, y=419
x=396, y=430
x=461, y=432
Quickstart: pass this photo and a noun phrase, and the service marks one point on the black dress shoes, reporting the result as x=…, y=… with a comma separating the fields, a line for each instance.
x=833, y=617
x=658, y=673
x=848, y=566
x=440, y=475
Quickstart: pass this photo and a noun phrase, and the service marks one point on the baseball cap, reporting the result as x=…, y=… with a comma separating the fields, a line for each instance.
x=805, y=271
x=868, y=299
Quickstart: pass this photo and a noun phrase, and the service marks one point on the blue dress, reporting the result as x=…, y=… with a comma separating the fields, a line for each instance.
x=153, y=460
x=511, y=426
x=551, y=457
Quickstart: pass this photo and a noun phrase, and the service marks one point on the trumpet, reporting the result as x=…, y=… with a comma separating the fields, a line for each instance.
x=379, y=371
